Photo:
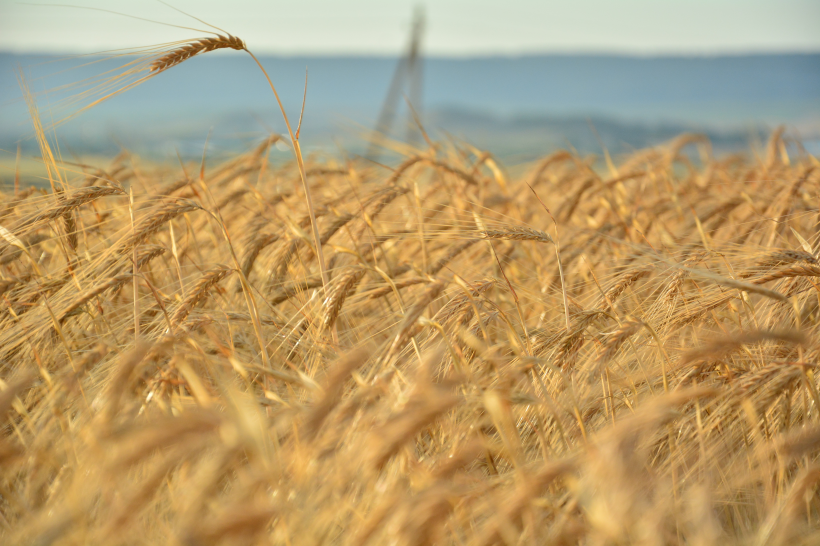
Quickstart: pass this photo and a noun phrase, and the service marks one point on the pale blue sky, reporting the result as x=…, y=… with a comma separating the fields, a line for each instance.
x=454, y=27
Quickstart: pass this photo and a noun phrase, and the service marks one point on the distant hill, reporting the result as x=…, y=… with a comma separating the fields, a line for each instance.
x=522, y=103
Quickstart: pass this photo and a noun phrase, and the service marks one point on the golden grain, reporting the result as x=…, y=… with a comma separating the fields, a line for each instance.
x=679, y=402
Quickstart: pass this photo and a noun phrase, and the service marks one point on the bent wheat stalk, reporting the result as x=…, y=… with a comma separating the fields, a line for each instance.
x=187, y=50
x=297, y=152
x=181, y=54
x=193, y=48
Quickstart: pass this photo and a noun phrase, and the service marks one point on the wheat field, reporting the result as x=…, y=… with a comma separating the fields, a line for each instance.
x=568, y=351
x=562, y=355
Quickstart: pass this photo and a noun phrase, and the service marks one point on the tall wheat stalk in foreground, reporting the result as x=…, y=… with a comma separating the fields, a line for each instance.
x=203, y=45
x=156, y=63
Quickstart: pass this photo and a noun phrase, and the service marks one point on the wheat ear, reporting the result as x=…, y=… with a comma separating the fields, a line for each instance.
x=254, y=248
x=152, y=223
x=203, y=45
x=288, y=291
x=67, y=202
x=338, y=294
x=91, y=292
x=199, y=292
x=616, y=339
x=627, y=280
x=406, y=326
x=517, y=234
x=794, y=270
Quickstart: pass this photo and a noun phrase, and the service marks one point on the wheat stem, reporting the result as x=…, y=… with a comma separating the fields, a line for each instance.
x=297, y=152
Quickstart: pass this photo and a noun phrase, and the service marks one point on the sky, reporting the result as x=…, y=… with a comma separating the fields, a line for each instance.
x=453, y=27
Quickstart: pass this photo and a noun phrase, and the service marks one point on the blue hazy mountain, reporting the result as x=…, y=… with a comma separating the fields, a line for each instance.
x=522, y=105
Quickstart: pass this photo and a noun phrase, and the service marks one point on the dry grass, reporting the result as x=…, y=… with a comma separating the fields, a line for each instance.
x=673, y=401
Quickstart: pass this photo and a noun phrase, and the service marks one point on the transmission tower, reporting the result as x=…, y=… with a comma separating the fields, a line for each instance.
x=408, y=76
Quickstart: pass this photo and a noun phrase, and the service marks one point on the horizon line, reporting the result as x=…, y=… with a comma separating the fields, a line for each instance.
x=477, y=55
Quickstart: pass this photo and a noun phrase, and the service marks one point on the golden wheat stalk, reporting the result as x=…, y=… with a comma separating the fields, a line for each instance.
x=195, y=47
x=337, y=224
x=84, y=297
x=674, y=288
x=718, y=348
x=460, y=309
x=628, y=279
x=794, y=270
x=70, y=201
x=517, y=233
x=289, y=290
x=199, y=292
x=257, y=244
x=149, y=225
x=377, y=293
x=376, y=204
x=70, y=225
x=182, y=53
x=573, y=339
x=280, y=266
x=616, y=339
x=338, y=293
x=408, y=323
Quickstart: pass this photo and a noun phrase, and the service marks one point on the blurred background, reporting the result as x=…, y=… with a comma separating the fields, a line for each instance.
x=519, y=78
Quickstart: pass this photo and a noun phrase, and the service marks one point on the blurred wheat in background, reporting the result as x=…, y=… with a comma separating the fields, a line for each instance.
x=571, y=350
